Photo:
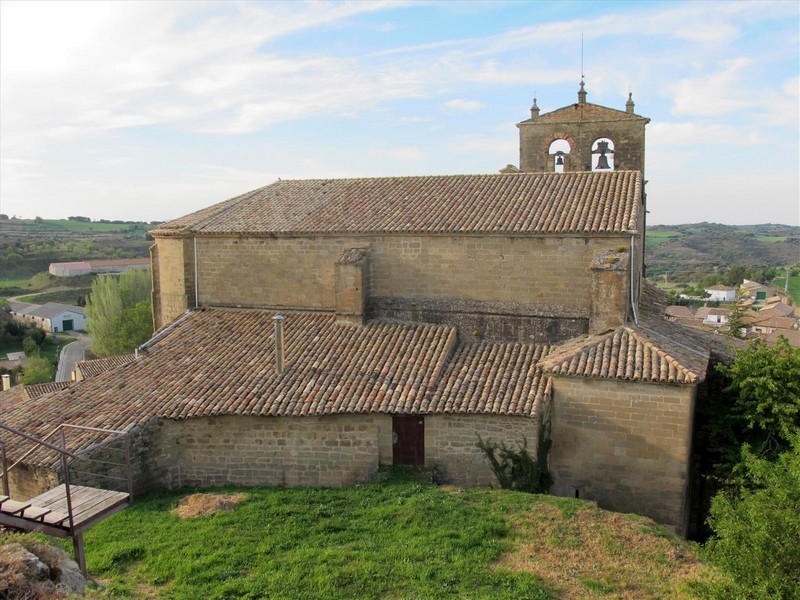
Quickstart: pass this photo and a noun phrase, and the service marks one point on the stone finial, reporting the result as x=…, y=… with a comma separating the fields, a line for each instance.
x=629, y=104
x=534, y=109
x=582, y=94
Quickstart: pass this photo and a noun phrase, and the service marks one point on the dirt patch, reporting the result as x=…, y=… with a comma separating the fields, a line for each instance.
x=203, y=505
x=595, y=554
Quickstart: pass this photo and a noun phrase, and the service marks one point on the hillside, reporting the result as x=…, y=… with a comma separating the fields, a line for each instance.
x=28, y=246
x=689, y=252
x=396, y=538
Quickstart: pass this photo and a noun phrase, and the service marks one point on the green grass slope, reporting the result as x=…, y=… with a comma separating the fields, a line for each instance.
x=400, y=538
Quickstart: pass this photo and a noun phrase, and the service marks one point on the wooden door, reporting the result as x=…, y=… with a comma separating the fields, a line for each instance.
x=408, y=441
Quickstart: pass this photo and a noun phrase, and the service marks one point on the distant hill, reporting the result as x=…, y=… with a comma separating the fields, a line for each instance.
x=28, y=246
x=689, y=252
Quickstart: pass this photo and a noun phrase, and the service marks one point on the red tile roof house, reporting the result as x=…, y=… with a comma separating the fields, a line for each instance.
x=419, y=313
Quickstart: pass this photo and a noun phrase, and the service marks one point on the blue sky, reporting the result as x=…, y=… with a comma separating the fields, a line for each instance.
x=150, y=110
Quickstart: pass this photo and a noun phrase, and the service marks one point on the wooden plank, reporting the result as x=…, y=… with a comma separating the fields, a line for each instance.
x=28, y=525
x=12, y=507
x=56, y=519
x=101, y=505
x=3, y=499
x=44, y=500
x=34, y=512
x=102, y=517
x=87, y=503
x=57, y=497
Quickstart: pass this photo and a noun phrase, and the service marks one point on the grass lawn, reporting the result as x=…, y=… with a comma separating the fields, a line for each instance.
x=69, y=296
x=56, y=225
x=794, y=286
x=654, y=238
x=400, y=538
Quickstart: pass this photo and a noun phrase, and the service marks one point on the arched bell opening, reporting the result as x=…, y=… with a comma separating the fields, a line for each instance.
x=559, y=154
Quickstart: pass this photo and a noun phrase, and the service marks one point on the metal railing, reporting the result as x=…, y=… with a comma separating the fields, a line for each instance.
x=67, y=455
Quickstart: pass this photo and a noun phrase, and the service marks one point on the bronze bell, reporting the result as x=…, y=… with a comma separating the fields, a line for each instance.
x=602, y=162
x=559, y=159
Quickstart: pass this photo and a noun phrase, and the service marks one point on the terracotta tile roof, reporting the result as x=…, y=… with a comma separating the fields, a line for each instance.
x=778, y=309
x=45, y=311
x=119, y=262
x=680, y=312
x=625, y=353
x=652, y=300
x=702, y=312
x=791, y=335
x=585, y=112
x=19, y=393
x=544, y=203
x=776, y=322
x=91, y=368
x=10, y=397
x=40, y=389
x=221, y=362
x=492, y=378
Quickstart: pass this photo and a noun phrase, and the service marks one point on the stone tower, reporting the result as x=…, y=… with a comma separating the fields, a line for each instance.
x=582, y=137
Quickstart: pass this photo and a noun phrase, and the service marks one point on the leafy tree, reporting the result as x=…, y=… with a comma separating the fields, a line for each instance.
x=736, y=321
x=134, y=326
x=38, y=370
x=110, y=320
x=29, y=346
x=756, y=531
x=764, y=388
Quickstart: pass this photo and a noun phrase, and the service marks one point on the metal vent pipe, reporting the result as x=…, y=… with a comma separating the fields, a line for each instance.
x=279, y=363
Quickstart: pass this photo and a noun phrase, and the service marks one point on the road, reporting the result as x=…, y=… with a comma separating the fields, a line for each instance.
x=71, y=354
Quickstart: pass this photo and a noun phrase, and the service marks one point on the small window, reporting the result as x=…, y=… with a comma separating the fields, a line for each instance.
x=603, y=155
x=559, y=150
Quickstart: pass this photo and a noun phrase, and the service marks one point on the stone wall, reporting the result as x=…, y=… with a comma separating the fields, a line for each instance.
x=299, y=272
x=488, y=321
x=624, y=444
x=335, y=450
x=172, y=278
x=25, y=482
x=451, y=444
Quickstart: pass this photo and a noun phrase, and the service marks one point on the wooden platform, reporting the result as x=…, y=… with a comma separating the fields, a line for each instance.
x=48, y=512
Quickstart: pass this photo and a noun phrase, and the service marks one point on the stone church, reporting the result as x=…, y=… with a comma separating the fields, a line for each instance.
x=311, y=330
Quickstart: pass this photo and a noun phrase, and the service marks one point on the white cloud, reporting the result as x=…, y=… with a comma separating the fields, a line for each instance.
x=506, y=147
x=464, y=105
x=407, y=154
x=714, y=94
x=695, y=133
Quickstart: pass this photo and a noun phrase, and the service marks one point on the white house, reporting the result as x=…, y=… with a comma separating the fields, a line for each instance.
x=721, y=293
x=51, y=317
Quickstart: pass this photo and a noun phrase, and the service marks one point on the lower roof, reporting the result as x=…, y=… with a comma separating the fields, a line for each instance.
x=222, y=362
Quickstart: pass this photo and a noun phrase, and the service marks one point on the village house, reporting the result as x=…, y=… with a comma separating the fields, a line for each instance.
x=52, y=317
x=675, y=312
x=312, y=330
x=721, y=293
x=73, y=269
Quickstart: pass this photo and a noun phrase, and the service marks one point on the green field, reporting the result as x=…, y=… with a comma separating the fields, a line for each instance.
x=794, y=286
x=50, y=348
x=397, y=538
x=654, y=238
x=771, y=239
x=70, y=296
x=56, y=225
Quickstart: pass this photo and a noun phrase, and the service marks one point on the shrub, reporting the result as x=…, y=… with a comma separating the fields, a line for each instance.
x=756, y=530
x=517, y=469
x=38, y=370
